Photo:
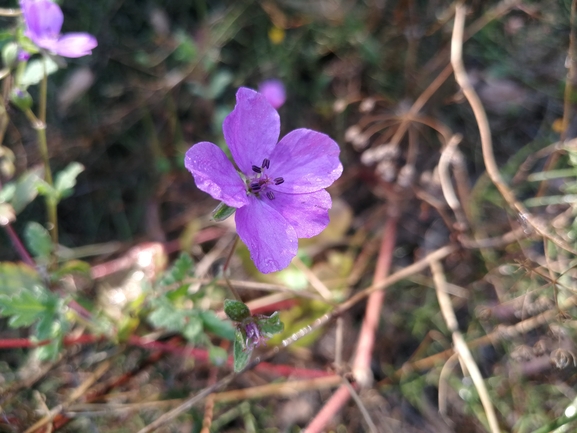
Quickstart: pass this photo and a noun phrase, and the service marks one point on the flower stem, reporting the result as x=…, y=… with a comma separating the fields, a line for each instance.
x=39, y=124
x=225, y=267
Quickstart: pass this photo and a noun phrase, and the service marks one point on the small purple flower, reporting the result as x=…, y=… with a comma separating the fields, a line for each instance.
x=43, y=20
x=280, y=192
x=274, y=92
x=254, y=338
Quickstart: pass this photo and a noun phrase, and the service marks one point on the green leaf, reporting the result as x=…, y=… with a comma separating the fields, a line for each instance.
x=66, y=179
x=71, y=267
x=217, y=355
x=222, y=212
x=165, y=315
x=26, y=189
x=219, y=327
x=26, y=307
x=35, y=70
x=236, y=310
x=38, y=240
x=15, y=277
x=193, y=328
x=240, y=352
x=7, y=192
x=270, y=325
x=47, y=190
x=180, y=269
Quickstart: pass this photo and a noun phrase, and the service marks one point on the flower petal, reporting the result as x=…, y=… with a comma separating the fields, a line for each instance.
x=75, y=45
x=251, y=130
x=308, y=214
x=43, y=19
x=307, y=161
x=214, y=174
x=271, y=240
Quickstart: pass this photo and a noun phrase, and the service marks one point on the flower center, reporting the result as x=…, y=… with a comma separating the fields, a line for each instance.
x=258, y=183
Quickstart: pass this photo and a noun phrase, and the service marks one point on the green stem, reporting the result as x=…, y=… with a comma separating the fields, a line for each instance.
x=39, y=124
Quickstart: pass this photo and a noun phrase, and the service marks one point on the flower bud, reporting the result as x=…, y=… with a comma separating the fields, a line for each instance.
x=21, y=99
x=10, y=54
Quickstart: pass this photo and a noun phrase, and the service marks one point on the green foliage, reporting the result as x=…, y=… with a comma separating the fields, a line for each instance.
x=35, y=70
x=270, y=325
x=17, y=276
x=23, y=191
x=222, y=212
x=170, y=310
x=66, y=179
x=211, y=323
x=63, y=184
x=236, y=310
x=25, y=301
x=38, y=240
x=240, y=352
x=182, y=268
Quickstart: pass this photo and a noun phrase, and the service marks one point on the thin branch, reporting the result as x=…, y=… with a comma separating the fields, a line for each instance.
x=460, y=346
x=485, y=132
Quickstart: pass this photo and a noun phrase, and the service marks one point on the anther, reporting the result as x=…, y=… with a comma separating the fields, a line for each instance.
x=256, y=169
x=278, y=181
x=255, y=186
x=266, y=163
x=270, y=195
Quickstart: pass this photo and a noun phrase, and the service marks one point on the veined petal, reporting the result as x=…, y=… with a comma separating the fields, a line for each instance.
x=251, y=130
x=75, y=45
x=307, y=161
x=308, y=214
x=214, y=174
x=43, y=19
x=271, y=240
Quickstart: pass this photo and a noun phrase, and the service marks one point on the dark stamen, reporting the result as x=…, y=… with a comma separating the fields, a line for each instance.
x=266, y=163
x=270, y=195
x=255, y=186
x=256, y=169
x=278, y=181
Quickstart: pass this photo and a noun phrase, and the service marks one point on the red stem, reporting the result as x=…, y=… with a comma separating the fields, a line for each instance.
x=366, y=341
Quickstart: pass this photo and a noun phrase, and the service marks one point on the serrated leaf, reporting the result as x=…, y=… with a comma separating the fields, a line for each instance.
x=38, y=240
x=25, y=308
x=35, y=70
x=180, y=269
x=222, y=212
x=193, y=328
x=241, y=353
x=270, y=325
x=217, y=355
x=219, y=327
x=15, y=277
x=236, y=310
x=66, y=179
x=26, y=189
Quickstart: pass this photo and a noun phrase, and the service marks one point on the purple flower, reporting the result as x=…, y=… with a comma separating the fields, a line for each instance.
x=254, y=338
x=274, y=92
x=280, y=192
x=43, y=20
